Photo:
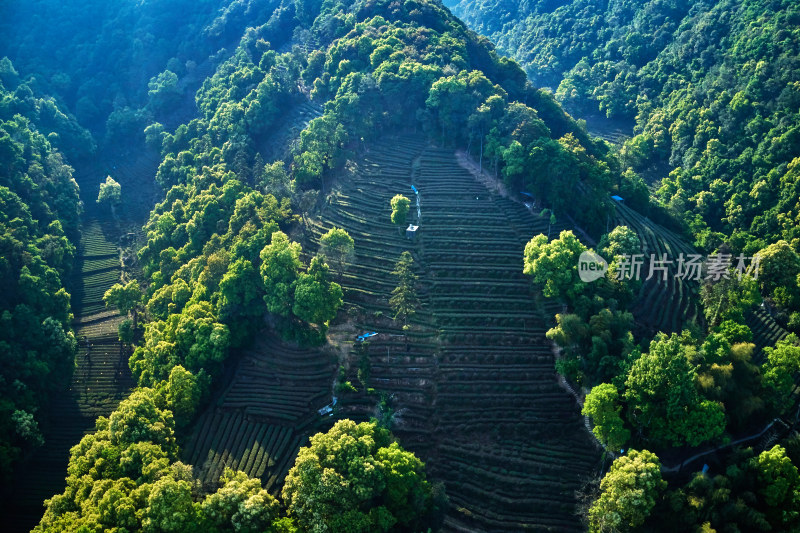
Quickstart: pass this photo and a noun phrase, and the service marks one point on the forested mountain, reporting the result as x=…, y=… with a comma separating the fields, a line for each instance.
x=39, y=221
x=220, y=249
x=713, y=87
x=324, y=321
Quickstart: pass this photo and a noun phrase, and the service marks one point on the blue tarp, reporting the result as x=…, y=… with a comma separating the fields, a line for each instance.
x=365, y=336
x=414, y=189
x=617, y=198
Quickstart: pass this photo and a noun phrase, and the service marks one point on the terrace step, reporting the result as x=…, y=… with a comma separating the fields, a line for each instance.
x=100, y=380
x=491, y=366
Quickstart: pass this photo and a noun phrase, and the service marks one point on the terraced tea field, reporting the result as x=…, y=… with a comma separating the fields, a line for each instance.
x=277, y=144
x=614, y=131
x=101, y=377
x=662, y=305
x=267, y=410
x=473, y=385
x=766, y=331
x=403, y=367
x=513, y=449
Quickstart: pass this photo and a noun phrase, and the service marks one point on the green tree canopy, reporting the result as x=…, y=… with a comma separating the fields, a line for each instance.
x=110, y=192
x=780, y=371
x=163, y=90
x=279, y=269
x=124, y=297
x=554, y=264
x=139, y=419
x=777, y=275
x=404, y=300
x=593, y=350
x=338, y=246
x=620, y=241
x=602, y=406
x=400, y=206
x=241, y=300
x=355, y=478
x=170, y=508
x=193, y=338
x=628, y=493
x=182, y=395
x=316, y=297
x=240, y=504
x=662, y=398
x=729, y=298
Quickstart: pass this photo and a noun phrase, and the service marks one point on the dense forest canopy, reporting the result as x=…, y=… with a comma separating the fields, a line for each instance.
x=712, y=87
x=115, y=64
x=39, y=220
x=258, y=112
x=219, y=250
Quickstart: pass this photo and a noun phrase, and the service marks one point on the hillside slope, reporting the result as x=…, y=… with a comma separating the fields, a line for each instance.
x=473, y=388
x=713, y=87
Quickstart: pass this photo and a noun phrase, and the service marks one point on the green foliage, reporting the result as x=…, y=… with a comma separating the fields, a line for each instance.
x=628, y=493
x=320, y=144
x=729, y=299
x=110, y=193
x=594, y=350
x=154, y=135
x=23, y=107
x=39, y=216
x=355, y=478
x=729, y=375
x=730, y=140
x=240, y=504
x=778, y=274
x=94, y=66
x=400, y=206
x=216, y=247
x=338, y=246
x=139, y=419
x=163, y=90
x=554, y=265
x=169, y=507
x=240, y=297
x=613, y=246
x=602, y=406
x=450, y=96
x=275, y=180
x=662, y=399
x=192, y=338
x=316, y=297
x=27, y=428
x=780, y=371
x=451, y=85
x=280, y=268
x=752, y=493
x=124, y=297
x=778, y=478
x=125, y=476
x=620, y=241
x=404, y=300
x=183, y=393
x=126, y=332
